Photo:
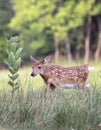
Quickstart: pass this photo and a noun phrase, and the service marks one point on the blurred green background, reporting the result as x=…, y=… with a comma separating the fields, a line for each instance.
x=69, y=29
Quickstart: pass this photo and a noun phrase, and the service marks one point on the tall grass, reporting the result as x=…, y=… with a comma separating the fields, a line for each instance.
x=63, y=110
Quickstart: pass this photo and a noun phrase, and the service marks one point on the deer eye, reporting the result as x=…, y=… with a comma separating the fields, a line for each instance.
x=39, y=67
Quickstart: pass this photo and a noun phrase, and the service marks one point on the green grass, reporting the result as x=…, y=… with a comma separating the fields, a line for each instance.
x=63, y=110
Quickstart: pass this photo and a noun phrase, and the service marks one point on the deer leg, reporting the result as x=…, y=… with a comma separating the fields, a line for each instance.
x=47, y=90
x=83, y=85
x=50, y=85
x=87, y=86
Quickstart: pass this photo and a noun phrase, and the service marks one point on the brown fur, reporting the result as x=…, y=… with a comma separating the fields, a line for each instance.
x=55, y=76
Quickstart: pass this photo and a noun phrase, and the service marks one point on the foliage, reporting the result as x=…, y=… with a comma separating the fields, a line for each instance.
x=3, y=46
x=41, y=20
x=6, y=13
x=63, y=110
x=54, y=17
x=14, y=60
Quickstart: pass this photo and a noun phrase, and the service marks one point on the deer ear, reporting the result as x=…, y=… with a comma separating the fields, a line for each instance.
x=33, y=59
x=47, y=59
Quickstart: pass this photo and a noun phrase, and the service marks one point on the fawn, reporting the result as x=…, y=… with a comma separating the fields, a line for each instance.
x=56, y=76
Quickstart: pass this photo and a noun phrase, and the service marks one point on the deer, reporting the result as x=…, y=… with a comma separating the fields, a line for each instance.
x=56, y=76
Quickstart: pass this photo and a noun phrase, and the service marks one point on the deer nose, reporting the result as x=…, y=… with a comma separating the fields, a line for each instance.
x=33, y=74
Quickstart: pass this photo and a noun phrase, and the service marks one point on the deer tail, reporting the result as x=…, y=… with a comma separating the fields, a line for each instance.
x=90, y=68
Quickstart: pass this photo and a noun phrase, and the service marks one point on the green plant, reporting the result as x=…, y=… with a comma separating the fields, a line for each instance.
x=14, y=60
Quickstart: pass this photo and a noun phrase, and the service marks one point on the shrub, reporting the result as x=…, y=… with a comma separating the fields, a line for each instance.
x=14, y=60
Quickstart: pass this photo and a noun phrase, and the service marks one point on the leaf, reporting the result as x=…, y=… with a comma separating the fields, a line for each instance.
x=13, y=48
x=12, y=59
x=18, y=52
x=11, y=83
x=7, y=63
x=13, y=77
x=16, y=87
x=7, y=51
x=10, y=77
x=12, y=70
x=18, y=61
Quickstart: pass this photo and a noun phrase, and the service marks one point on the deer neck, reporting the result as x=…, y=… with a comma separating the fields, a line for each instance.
x=45, y=74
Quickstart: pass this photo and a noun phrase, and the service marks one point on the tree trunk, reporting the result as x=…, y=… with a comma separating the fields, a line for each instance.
x=87, y=40
x=68, y=49
x=56, y=44
x=98, y=49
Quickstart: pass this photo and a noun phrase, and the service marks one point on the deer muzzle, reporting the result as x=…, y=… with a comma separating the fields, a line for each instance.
x=33, y=74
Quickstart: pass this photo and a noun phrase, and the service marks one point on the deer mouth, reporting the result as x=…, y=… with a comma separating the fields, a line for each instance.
x=33, y=74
